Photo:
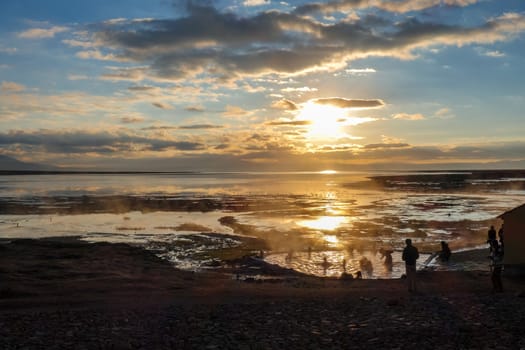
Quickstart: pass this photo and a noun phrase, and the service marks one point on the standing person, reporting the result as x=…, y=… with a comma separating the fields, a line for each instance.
x=500, y=236
x=497, y=266
x=445, y=253
x=410, y=255
x=491, y=238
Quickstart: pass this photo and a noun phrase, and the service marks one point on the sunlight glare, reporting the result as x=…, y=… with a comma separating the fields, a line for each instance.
x=328, y=172
x=326, y=121
x=331, y=239
x=326, y=223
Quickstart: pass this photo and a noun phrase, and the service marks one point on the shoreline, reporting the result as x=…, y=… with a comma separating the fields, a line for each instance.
x=58, y=267
x=73, y=294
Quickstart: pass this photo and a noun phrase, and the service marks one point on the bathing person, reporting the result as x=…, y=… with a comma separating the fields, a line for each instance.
x=410, y=255
x=387, y=255
x=366, y=265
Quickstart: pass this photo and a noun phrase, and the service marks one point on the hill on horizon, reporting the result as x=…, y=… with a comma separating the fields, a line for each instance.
x=9, y=163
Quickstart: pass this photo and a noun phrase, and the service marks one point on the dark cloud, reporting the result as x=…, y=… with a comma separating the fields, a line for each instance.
x=386, y=145
x=200, y=126
x=141, y=88
x=330, y=6
x=222, y=146
x=182, y=127
x=227, y=46
x=160, y=127
x=348, y=103
x=161, y=105
x=131, y=120
x=197, y=109
x=74, y=142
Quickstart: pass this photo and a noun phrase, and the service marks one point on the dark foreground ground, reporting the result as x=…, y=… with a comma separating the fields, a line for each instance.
x=73, y=295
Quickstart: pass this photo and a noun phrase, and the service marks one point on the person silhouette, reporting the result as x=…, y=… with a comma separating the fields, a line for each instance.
x=325, y=264
x=410, y=256
x=491, y=238
x=497, y=267
x=445, y=253
x=387, y=255
x=501, y=236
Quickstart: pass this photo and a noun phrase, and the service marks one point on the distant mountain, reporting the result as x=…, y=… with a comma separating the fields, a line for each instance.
x=9, y=163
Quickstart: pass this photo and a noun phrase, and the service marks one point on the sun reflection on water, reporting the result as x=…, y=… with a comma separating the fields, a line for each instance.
x=325, y=223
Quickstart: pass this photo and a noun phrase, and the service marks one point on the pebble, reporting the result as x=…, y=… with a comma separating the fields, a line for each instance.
x=286, y=324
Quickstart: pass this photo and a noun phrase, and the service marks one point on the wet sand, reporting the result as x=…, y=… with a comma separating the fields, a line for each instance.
x=70, y=294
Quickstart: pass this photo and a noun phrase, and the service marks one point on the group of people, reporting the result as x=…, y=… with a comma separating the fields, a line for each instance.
x=496, y=246
x=410, y=256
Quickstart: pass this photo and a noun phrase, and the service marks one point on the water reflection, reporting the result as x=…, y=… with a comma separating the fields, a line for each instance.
x=331, y=239
x=326, y=223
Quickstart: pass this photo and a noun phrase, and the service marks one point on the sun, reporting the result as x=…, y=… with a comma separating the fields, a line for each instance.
x=326, y=122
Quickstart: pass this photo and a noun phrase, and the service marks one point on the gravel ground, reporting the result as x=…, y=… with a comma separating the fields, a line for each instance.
x=74, y=295
x=422, y=322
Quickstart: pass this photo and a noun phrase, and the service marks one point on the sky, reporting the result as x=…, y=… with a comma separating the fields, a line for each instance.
x=263, y=85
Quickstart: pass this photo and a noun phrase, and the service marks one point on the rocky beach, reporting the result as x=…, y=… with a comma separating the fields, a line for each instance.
x=65, y=293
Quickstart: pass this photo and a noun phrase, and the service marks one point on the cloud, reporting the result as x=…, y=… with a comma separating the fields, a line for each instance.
x=42, y=33
x=162, y=105
x=9, y=86
x=386, y=145
x=200, y=126
x=349, y=103
x=226, y=47
x=142, y=88
x=126, y=73
x=299, y=89
x=8, y=50
x=160, y=128
x=360, y=71
x=97, y=55
x=235, y=111
x=74, y=77
x=444, y=113
x=402, y=6
x=94, y=142
x=407, y=116
x=256, y=2
x=182, y=127
x=495, y=53
x=289, y=123
x=490, y=53
x=132, y=120
x=197, y=109
x=285, y=105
